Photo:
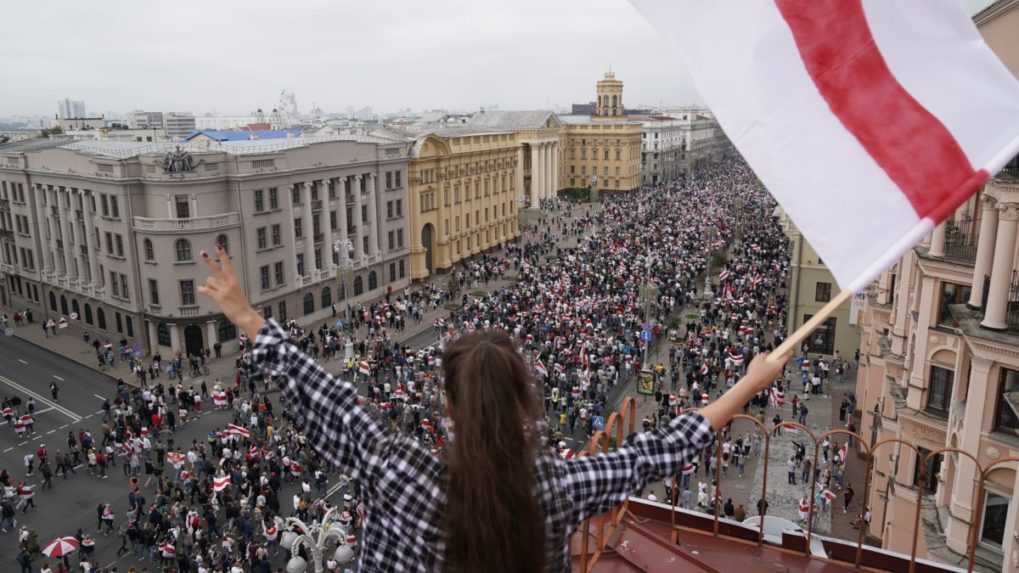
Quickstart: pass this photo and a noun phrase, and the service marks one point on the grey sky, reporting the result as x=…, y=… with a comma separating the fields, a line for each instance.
x=232, y=56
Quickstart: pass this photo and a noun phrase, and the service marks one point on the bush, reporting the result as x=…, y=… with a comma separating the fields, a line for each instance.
x=576, y=194
x=719, y=259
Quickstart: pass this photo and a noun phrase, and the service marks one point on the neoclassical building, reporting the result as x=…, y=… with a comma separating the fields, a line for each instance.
x=109, y=233
x=602, y=151
x=537, y=134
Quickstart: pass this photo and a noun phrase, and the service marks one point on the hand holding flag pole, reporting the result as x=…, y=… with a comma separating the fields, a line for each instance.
x=789, y=345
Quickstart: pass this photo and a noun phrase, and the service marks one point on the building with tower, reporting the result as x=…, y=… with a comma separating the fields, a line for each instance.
x=601, y=151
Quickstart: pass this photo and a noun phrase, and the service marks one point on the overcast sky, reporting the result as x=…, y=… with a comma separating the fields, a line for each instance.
x=232, y=56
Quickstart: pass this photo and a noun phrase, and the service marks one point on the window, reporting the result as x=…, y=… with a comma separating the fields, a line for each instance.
x=951, y=293
x=364, y=214
x=822, y=341
x=278, y=271
x=274, y=198
x=358, y=286
x=295, y=195
x=264, y=275
x=261, y=240
x=227, y=330
x=364, y=244
x=163, y=334
x=327, y=297
x=109, y=243
x=389, y=208
x=114, y=207
x=332, y=220
x=389, y=179
x=282, y=308
x=822, y=292
x=150, y=253
x=119, y=239
x=300, y=264
x=403, y=269
x=398, y=175
x=318, y=259
x=1006, y=407
x=298, y=228
x=154, y=292
x=183, y=249
x=392, y=272
x=259, y=201
x=114, y=284
x=267, y=311
x=939, y=391
x=992, y=530
x=104, y=202
x=187, y=293
x=120, y=321
x=277, y=235
x=373, y=281
x=392, y=240
x=309, y=303
x=929, y=485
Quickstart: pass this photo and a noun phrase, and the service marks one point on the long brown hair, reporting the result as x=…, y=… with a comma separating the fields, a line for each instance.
x=493, y=517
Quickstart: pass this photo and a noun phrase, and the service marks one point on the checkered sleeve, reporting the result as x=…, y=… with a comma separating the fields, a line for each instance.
x=323, y=406
x=598, y=483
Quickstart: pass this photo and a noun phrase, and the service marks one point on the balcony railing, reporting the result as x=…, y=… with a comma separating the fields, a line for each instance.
x=1012, y=313
x=961, y=239
x=189, y=311
x=210, y=223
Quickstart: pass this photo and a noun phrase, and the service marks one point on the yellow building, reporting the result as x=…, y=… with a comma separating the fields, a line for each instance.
x=462, y=194
x=811, y=286
x=601, y=150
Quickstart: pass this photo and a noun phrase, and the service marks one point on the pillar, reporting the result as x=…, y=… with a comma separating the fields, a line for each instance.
x=556, y=157
x=373, y=217
x=985, y=250
x=309, y=231
x=1001, y=271
x=964, y=486
x=547, y=170
x=937, y=248
x=288, y=201
x=76, y=253
x=90, y=240
x=918, y=372
x=535, y=177
x=358, y=244
x=341, y=215
x=48, y=263
x=327, y=229
x=153, y=336
x=66, y=237
x=518, y=176
x=174, y=338
x=211, y=333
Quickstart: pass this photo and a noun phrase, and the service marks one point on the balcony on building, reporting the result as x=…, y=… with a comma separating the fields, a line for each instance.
x=188, y=225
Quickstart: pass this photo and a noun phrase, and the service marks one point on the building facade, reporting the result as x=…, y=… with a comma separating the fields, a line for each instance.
x=811, y=286
x=601, y=151
x=539, y=153
x=679, y=142
x=939, y=368
x=178, y=125
x=463, y=194
x=69, y=108
x=110, y=233
x=145, y=119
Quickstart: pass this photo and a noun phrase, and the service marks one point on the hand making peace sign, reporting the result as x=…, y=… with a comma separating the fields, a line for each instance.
x=224, y=288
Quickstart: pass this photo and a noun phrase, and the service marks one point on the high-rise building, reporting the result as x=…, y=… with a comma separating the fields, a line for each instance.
x=70, y=109
x=178, y=125
x=112, y=231
x=146, y=119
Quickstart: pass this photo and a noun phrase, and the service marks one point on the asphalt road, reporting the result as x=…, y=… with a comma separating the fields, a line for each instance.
x=27, y=370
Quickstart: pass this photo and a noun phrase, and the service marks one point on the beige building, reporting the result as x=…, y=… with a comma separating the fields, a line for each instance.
x=111, y=232
x=602, y=150
x=940, y=369
x=811, y=286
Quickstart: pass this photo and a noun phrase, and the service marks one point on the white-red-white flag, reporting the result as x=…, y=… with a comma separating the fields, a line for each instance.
x=220, y=483
x=235, y=430
x=870, y=121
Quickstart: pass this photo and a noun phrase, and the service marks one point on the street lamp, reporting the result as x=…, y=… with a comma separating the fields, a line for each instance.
x=326, y=530
x=520, y=231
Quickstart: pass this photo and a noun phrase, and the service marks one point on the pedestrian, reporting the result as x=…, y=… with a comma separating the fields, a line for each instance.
x=791, y=467
x=847, y=498
x=54, y=391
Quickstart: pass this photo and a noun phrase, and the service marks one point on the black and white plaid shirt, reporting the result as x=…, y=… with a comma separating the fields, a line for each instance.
x=402, y=480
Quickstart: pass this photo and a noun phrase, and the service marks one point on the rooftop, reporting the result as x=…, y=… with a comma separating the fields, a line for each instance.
x=587, y=119
x=36, y=144
x=242, y=134
x=512, y=120
x=128, y=149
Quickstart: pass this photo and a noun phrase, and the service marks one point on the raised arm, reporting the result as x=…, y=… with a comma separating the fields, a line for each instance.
x=323, y=406
x=598, y=483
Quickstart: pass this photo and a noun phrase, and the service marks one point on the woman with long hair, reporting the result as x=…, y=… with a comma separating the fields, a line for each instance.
x=494, y=500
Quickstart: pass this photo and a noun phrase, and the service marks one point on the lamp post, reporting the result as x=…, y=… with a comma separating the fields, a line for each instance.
x=520, y=228
x=343, y=247
x=316, y=545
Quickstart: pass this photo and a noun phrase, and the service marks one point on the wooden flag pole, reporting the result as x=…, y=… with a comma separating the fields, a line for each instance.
x=792, y=343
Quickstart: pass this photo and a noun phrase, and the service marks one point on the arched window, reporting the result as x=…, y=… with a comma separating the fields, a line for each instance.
x=358, y=286
x=309, y=303
x=222, y=241
x=327, y=297
x=150, y=253
x=88, y=313
x=75, y=308
x=183, y=249
x=101, y=318
x=373, y=281
x=63, y=305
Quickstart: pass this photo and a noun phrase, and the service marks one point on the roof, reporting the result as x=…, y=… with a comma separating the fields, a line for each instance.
x=242, y=134
x=512, y=120
x=129, y=149
x=587, y=119
x=33, y=144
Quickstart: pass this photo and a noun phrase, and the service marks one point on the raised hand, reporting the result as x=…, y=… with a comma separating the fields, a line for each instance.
x=224, y=288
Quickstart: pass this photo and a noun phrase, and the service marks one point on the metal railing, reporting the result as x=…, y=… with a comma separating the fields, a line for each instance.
x=1012, y=303
x=606, y=524
x=961, y=239
x=192, y=224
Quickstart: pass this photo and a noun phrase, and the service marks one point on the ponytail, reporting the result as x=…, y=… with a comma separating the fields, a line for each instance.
x=493, y=518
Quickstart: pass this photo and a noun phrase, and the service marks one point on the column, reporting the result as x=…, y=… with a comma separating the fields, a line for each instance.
x=341, y=214
x=153, y=336
x=327, y=229
x=64, y=235
x=518, y=176
x=54, y=229
x=211, y=333
x=90, y=240
x=358, y=245
x=373, y=219
x=546, y=170
x=41, y=222
x=309, y=230
x=985, y=250
x=535, y=175
x=918, y=372
x=174, y=338
x=556, y=183
x=965, y=484
x=76, y=253
x=1001, y=271
x=937, y=248
x=288, y=202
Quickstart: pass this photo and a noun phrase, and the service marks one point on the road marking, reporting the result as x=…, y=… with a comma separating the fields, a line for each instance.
x=74, y=417
x=58, y=377
x=100, y=397
x=23, y=443
x=99, y=412
x=64, y=426
x=23, y=362
x=50, y=432
x=87, y=417
x=8, y=449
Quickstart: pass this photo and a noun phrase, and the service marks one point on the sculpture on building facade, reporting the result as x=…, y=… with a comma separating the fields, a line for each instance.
x=178, y=161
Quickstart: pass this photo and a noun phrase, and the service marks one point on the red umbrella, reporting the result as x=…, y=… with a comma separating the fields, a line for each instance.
x=60, y=547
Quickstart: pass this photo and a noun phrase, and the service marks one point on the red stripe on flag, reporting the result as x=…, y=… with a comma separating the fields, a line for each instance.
x=908, y=142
